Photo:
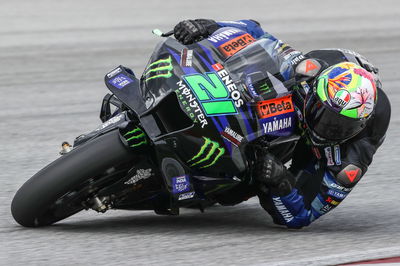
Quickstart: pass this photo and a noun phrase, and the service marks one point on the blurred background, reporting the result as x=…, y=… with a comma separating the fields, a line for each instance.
x=53, y=57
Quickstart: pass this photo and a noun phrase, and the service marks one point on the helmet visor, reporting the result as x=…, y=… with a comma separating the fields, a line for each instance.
x=328, y=124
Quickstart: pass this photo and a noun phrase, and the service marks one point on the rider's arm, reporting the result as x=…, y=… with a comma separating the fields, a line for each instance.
x=248, y=25
x=190, y=31
x=340, y=174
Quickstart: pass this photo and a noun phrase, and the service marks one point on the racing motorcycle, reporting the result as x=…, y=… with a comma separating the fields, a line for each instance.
x=183, y=135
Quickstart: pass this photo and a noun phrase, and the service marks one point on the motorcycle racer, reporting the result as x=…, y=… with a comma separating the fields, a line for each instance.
x=343, y=117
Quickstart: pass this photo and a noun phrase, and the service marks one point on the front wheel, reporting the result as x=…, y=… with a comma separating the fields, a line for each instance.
x=47, y=196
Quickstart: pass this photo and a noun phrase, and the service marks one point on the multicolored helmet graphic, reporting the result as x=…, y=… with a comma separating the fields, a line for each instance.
x=349, y=89
x=343, y=99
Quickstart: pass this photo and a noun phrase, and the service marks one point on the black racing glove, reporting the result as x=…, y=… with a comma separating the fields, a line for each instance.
x=190, y=31
x=270, y=172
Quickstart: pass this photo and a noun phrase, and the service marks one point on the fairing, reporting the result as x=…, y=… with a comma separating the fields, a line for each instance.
x=230, y=92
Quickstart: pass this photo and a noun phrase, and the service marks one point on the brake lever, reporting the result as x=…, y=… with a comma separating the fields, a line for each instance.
x=159, y=33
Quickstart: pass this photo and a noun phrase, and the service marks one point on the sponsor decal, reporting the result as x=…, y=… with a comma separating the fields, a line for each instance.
x=349, y=52
x=283, y=211
x=186, y=58
x=110, y=121
x=135, y=137
x=230, y=85
x=305, y=86
x=276, y=115
x=339, y=187
x=351, y=175
x=309, y=67
x=250, y=88
x=232, y=136
x=161, y=68
x=332, y=201
x=208, y=154
x=264, y=88
x=330, y=183
x=329, y=156
x=141, y=174
x=297, y=60
x=289, y=53
x=317, y=205
x=341, y=98
x=233, y=46
x=277, y=125
x=233, y=22
x=299, y=114
x=187, y=195
x=180, y=184
x=190, y=104
x=336, y=194
x=257, y=83
x=216, y=92
x=223, y=35
x=120, y=81
x=316, y=152
x=282, y=47
x=338, y=159
x=274, y=107
x=114, y=72
x=326, y=208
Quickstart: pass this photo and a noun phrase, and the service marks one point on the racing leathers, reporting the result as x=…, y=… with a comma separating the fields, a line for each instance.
x=320, y=176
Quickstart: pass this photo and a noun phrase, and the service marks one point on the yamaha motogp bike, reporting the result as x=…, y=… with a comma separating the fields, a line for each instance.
x=183, y=135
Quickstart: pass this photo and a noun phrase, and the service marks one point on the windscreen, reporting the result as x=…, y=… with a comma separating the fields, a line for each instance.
x=263, y=72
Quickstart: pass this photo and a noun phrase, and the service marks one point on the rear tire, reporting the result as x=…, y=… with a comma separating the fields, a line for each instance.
x=31, y=206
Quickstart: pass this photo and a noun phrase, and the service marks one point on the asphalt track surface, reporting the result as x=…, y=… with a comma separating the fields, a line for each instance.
x=53, y=56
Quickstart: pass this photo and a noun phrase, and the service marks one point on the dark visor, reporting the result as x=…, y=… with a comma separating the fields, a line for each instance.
x=328, y=124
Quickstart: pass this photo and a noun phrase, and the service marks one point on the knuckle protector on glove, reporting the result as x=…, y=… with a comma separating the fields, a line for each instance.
x=189, y=31
x=274, y=174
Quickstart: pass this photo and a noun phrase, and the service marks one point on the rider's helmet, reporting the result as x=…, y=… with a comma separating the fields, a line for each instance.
x=341, y=101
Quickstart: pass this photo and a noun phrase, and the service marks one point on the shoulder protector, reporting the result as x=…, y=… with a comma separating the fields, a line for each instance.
x=308, y=67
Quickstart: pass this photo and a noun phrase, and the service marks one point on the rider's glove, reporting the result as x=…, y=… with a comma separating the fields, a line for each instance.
x=190, y=31
x=273, y=174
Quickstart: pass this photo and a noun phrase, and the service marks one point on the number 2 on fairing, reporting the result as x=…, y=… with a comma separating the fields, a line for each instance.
x=212, y=93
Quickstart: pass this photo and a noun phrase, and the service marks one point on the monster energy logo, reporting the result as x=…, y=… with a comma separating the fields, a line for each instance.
x=209, y=150
x=159, y=69
x=265, y=88
x=135, y=137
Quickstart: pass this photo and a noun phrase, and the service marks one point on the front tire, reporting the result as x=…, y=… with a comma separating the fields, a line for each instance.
x=33, y=204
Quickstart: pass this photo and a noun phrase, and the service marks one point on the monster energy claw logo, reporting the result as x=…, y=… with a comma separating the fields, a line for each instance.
x=159, y=69
x=208, y=155
x=135, y=137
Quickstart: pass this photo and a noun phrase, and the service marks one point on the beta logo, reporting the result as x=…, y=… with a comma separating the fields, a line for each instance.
x=274, y=107
x=235, y=45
